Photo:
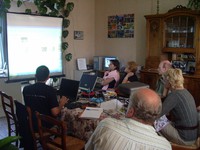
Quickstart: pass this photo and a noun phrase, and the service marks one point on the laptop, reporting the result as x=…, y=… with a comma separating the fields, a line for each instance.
x=87, y=82
x=69, y=88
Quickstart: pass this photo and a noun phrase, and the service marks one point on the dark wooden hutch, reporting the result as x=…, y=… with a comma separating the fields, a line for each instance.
x=171, y=36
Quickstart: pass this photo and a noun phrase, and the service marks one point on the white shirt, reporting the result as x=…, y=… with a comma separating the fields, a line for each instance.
x=126, y=134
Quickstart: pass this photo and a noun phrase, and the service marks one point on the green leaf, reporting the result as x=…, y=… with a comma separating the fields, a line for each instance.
x=68, y=56
x=53, y=13
x=65, y=33
x=66, y=23
x=28, y=11
x=7, y=4
x=8, y=140
x=66, y=13
x=42, y=10
x=19, y=3
x=70, y=6
x=64, y=46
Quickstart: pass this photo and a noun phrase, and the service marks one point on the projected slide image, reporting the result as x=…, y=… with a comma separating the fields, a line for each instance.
x=33, y=44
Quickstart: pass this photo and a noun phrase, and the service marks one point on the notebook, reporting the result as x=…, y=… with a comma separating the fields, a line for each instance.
x=88, y=82
x=69, y=88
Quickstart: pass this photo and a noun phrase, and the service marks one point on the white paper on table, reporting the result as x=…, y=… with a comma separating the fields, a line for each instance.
x=91, y=113
x=112, y=104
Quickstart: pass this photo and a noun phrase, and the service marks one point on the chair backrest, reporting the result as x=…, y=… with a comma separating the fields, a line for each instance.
x=8, y=107
x=46, y=133
x=35, y=135
x=24, y=130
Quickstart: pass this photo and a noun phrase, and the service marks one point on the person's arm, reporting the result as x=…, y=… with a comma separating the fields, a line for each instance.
x=107, y=81
x=125, y=80
x=165, y=92
x=56, y=110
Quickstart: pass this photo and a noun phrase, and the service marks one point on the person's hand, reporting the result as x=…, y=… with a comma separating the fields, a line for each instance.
x=130, y=74
x=106, y=73
x=63, y=100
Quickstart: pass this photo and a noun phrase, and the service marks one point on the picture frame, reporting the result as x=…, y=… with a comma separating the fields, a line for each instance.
x=190, y=67
x=78, y=35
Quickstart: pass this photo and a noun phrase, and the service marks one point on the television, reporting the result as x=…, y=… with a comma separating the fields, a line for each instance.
x=32, y=41
x=106, y=61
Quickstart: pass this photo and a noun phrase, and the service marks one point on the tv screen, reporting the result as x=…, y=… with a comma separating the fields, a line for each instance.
x=107, y=61
x=33, y=41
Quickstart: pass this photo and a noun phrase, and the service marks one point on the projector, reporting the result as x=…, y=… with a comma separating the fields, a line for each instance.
x=126, y=89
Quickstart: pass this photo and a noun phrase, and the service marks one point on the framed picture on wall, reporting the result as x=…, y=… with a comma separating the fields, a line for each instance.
x=78, y=35
x=121, y=26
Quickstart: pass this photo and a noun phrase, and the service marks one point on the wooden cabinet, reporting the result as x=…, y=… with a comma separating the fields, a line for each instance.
x=174, y=33
x=149, y=77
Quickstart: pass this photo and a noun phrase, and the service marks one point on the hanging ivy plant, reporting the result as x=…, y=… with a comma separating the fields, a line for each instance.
x=194, y=4
x=54, y=8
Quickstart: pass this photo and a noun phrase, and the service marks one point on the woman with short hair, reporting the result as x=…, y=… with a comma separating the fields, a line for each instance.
x=181, y=105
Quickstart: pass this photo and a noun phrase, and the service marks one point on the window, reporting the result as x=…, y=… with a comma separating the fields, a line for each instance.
x=2, y=43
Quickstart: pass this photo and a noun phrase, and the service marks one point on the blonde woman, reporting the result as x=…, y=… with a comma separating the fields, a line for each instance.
x=130, y=71
x=181, y=105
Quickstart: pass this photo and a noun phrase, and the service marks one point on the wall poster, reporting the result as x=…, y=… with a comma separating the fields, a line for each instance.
x=121, y=26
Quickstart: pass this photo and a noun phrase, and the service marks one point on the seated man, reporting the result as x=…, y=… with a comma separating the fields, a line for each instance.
x=41, y=97
x=136, y=130
x=162, y=68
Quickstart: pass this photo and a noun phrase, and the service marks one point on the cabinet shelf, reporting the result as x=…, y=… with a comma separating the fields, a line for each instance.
x=179, y=50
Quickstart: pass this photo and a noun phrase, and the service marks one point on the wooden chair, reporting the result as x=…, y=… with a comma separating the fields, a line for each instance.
x=195, y=146
x=35, y=135
x=61, y=140
x=23, y=125
x=8, y=107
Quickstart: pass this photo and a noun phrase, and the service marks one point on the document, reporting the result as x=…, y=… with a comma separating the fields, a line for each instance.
x=91, y=113
x=81, y=62
x=113, y=104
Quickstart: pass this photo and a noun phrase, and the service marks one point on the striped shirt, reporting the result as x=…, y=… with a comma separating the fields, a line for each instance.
x=126, y=134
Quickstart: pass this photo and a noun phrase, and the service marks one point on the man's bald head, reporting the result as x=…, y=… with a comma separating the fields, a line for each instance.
x=164, y=66
x=146, y=104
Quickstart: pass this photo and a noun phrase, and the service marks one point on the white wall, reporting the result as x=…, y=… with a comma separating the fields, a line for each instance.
x=127, y=48
x=82, y=18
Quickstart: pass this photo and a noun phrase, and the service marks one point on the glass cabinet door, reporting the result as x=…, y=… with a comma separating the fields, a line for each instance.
x=179, y=33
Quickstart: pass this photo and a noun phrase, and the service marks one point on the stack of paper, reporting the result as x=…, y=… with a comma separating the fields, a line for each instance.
x=91, y=113
x=113, y=104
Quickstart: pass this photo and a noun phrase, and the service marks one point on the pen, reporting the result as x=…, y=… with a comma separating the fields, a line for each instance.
x=92, y=109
